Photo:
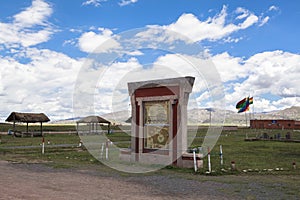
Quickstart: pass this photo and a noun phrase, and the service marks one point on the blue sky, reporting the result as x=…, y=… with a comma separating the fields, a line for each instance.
x=253, y=45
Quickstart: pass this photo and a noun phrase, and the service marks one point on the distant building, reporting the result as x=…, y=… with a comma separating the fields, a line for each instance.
x=274, y=124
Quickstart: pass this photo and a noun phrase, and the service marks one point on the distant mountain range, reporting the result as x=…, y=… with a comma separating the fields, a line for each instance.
x=203, y=116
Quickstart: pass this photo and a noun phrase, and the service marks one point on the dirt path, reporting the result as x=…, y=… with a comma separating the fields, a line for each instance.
x=37, y=181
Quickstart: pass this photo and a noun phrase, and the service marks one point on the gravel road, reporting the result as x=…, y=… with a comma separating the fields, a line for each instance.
x=38, y=181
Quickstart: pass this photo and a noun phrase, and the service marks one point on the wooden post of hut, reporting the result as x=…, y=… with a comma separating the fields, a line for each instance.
x=42, y=129
x=14, y=124
x=108, y=128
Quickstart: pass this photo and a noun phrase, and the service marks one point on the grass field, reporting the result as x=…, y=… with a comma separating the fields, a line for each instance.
x=263, y=157
x=267, y=156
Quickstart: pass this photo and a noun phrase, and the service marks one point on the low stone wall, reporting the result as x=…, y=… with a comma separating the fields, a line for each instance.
x=188, y=160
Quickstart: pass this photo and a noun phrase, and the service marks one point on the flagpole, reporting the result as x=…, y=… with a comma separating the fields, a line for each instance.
x=249, y=114
x=249, y=117
x=253, y=110
x=246, y=124
x=246, y=118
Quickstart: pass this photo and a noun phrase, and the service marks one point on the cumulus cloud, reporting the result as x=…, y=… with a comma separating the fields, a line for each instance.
x=272, y=77
x=241, y=77
x=44, y=84
x=282, y=69
x=112, y=85
x=213, y=28
x=176, y=65
x=36, y=14
x=190, y=28
x=112, y=93
x=172, y=66
x=29, y=27
x=45, y=81
x=230, y=68
x=97, y=42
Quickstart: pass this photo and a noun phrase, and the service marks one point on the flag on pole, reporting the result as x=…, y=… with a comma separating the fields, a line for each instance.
x=251, y=100
x=243, y=105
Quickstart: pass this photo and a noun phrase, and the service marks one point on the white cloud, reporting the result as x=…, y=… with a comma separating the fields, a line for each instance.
x=45, y=84
x=213, y=28
x=260, y=75
x=96, y=3
x=176, y=65
x=249, y=21
x=273, y=8
x=277, y=71
x=100, y=42
x=265, y=76
x=29, y=27
x=264, y=21
x=112, y=88
x=232, y=40
x=243, y=13
x=127, y=2
x=263, y=105
x=36, y=14
x=191, y=29
x=116, y=73
x=230, y=68
x=112, y=93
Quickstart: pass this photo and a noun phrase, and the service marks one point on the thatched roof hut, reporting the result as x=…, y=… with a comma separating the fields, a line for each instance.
x=27, y=118
x=128, y=120
x=92, y=122
x=93, y=119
